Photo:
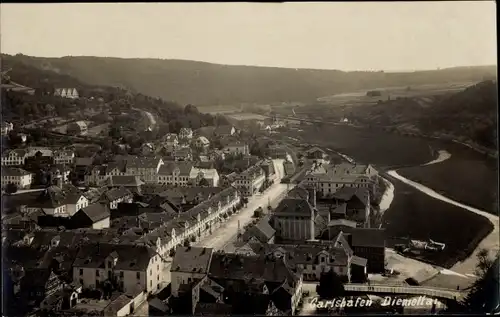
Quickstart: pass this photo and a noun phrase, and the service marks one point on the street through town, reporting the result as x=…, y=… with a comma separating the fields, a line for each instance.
x=228, y=230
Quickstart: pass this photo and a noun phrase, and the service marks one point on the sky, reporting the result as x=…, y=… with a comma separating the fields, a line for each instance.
x=390, y=36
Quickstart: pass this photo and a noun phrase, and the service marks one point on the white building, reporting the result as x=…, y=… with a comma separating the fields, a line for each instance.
x=210, y=175
x=133, y=267
x=17, y=176
x=14, y=157
x=237, y=148
x=58, y=202
x=327, y=179
x=186, y=133
x=175, y=173
x=250, y=180
x=171, y=140
x=7, y=127
x=71, y=93
x=63, y=157
x=146, y=168
x=202, y=142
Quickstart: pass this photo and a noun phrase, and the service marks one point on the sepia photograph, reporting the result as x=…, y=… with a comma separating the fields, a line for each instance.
x=244, y=158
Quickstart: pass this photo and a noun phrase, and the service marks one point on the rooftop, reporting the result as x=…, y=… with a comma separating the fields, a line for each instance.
x=192, y=260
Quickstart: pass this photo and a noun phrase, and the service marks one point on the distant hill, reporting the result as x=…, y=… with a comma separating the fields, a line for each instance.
x=22, y=107
x=200, y=83
x=469, y=115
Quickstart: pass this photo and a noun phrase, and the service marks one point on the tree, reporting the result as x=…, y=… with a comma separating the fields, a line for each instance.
x=330, y=285
x=11, y=188
x=483, y=295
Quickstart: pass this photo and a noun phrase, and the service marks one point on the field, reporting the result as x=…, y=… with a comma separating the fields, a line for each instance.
x=246, y=116
x=394, y=92
x=464, y=179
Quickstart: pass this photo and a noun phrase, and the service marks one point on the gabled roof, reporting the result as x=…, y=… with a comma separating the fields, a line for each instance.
x=116, y=193
x=13, y=171
x=130, y=257
x=294, y=206
x=96, y=212
x=126, y=181
x=169, y=167
x=191, y=260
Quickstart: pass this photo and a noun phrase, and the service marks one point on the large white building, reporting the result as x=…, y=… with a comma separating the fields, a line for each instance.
x=17, y=176
x=175, y=173
x=236, y=148
x=250, y=181
x=327, y=179
x=209, y=174
x=133, y=267
x=14, y=157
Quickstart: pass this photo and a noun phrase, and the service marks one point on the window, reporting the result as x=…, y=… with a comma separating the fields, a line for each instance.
x=157, y=267
x=81, y=281
x=81, y=271
x=138, y=275
x=121, y=273
x=109, y=264
x=150, y=283
x=96, y=272
x=157, y=277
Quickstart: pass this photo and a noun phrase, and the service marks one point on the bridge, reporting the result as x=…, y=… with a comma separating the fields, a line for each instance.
x=405, y=289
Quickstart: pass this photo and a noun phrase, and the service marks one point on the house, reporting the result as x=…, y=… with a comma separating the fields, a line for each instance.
x=204, y=177
x=60, y=172
x=236, y=148
x=250, y=181
x=186, y=133
x=311, y=259
x=71, y=93
x=183, y=154
x=201, y=142
x=293, y=219
x=17, y=176
x=59, y=201
x=132, y=183
x=244, y=275
x=189, y=263
x=77, y=128
x=145, y=167
x=315, y=153
x=261, y=231
x=224, y=130
x=269, y=171
x=15, y=157
x=175, y=173
x=368, y=243
x=7, y=127
x=171, y=140
x=38, y=284
x=134, y=268
x=328, y=179
x=116, y=195
x=355, y=205
x=63, y=157
x=95, y=216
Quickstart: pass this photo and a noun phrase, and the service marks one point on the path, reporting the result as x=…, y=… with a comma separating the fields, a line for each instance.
x=490, y=242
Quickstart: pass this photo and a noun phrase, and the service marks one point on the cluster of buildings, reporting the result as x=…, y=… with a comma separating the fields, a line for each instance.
x=306, y=235
x=104, y=250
